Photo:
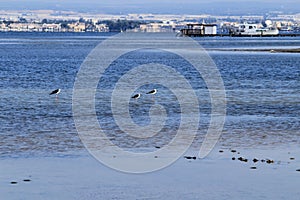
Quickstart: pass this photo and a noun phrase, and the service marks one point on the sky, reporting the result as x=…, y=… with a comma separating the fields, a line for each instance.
x=230, y=7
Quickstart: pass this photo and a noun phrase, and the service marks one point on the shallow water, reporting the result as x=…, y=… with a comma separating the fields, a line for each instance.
x=262, y=89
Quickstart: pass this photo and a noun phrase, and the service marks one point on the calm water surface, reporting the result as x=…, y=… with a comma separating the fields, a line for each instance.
x=262, y=88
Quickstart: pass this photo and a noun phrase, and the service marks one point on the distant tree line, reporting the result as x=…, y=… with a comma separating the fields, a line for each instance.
x=63, y=23
x=120, y=25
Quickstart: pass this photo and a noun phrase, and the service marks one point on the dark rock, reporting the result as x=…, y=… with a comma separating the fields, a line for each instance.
x=13, y=182
x=252, y=167
x=26, y=180
x=233, y=151
x=221, y=151
x=292, y=158
x=298, y=170
x=157, y=147
x=233, y=158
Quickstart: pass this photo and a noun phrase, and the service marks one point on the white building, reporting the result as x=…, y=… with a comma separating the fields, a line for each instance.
x=200, y=30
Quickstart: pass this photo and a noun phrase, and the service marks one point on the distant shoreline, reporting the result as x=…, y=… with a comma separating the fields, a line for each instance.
x=294, y=50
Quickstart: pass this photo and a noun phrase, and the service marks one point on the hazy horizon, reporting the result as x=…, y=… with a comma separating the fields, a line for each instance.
x=229, y=7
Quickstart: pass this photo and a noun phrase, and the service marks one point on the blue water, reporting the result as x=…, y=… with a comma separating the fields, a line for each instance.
x=262, y=89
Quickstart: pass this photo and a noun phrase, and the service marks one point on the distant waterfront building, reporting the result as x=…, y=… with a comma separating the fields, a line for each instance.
x=3, y=28
x=101, y=28
x=159, y=27
x=77, y=27
x=155, y=27
x=30, y=27
x=202, y=29
x=16, y=27
x=51, y=27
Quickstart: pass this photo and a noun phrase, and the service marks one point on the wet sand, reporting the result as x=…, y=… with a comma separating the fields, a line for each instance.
x=218, y=176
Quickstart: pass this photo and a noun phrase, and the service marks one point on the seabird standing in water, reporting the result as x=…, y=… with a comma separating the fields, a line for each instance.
x=152, y=92
x=56, y=92
x=136, y=96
